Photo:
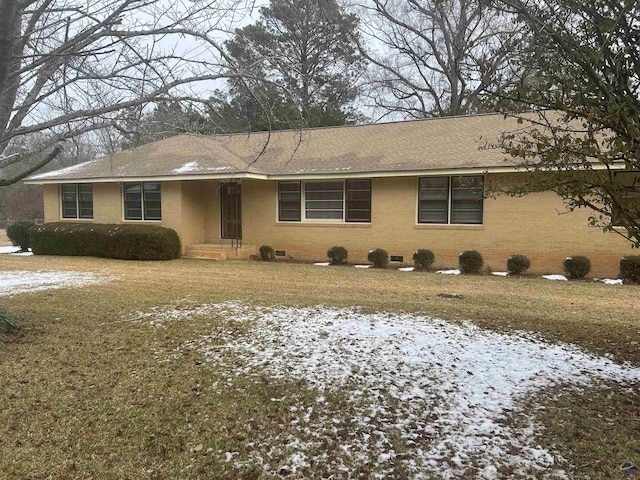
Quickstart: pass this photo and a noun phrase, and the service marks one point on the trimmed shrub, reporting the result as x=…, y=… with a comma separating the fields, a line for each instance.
x=267, y=253
x=125, y=242
x=423, y=259
x=18, y=233
x=338, y=255
x=518, y=264
x=9, y=324
x=470, y=261
x=378, y=257
x=576, y=268
x=630, y=269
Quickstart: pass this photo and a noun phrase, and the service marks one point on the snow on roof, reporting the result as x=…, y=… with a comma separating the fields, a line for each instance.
x=64, y=172
x=195, y=167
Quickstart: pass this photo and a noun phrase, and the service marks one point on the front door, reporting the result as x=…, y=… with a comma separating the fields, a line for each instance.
x=231, y=210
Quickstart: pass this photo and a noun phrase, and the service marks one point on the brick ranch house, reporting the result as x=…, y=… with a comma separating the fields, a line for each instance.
x=398, y=186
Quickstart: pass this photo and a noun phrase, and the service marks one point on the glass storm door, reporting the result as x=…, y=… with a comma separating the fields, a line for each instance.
x=231, y=210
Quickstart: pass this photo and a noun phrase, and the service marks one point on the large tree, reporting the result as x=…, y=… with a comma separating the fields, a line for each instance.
x=68, y=67
x=300, y=65
x=165, y=120
x=584, y=143
x=436, y=58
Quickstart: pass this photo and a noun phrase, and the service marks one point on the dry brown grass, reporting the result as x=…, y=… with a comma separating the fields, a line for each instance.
x=84, y=396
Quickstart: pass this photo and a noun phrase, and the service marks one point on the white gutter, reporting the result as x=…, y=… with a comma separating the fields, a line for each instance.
x=302, y=176
x=288, y=176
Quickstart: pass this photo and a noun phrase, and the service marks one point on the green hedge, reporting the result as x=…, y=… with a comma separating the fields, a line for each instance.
x=423, y=259
x=577, y=267
x=267, y=253
x=518, y=264
x=470, y=261
x=127, y=242
x=379, y=257
x=338, y=255
x=18, y=233
x=630, y=269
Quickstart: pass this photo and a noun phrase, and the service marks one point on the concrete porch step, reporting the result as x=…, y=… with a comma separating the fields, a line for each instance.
x=220, y=252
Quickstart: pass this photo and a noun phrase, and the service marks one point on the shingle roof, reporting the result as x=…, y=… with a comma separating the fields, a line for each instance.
x=449, y=143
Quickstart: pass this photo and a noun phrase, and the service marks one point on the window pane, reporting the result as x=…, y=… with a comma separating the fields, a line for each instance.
x=143, y=201
x=69, y=210
x=289, y=186
x=132, y=201
x=324, y=204
x=433, y=200
x=467, y=199
x=323, y=186
x=358, y=200
x=324, y=200
x=324, y=195
x=85, y=200
x=132, y=188
x=69, y=201
x=289, y=199
x=152, y=201
x=324, y=214
x=430, y=215
x=132, y=213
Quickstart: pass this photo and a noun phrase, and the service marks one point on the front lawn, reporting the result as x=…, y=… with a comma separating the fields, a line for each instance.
x=191, y=369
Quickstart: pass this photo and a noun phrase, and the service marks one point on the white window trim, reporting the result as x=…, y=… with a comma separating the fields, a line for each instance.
x=122, y=202
x=321, y=221
x=449, y=202
x=77, y=217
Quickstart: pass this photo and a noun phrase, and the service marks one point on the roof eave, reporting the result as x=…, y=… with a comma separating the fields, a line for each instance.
x=304, y=175
x=395, y=173
x=151, y=178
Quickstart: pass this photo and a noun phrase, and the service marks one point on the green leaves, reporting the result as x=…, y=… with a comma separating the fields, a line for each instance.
x=586, y=87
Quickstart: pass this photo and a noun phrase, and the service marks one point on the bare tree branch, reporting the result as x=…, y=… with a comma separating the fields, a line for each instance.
x=435, y=58
x=69, y=67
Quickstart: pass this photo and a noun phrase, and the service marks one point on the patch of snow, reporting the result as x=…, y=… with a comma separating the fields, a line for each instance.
x=555, y=277
x=10, y=249
x=449, y=272
x=322, y=264
x=445, y=391
x=500, y=274
x=194, y=167
x=363, y=266
x=610, y=281
x=64, y=171
x=14, y=282
x=406, y=269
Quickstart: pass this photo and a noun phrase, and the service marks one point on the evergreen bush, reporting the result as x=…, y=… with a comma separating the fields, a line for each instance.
x=630, y=269
x=577, y=267
x=338, y=255
x=518, y=264
x=378, y=257
x=267, y=253
x=423, y=259
x=9, y=324
x=470, y=261
x=125, y=242
x=18, y=233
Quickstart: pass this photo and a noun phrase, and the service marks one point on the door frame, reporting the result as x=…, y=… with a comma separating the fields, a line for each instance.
x=224, y=195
